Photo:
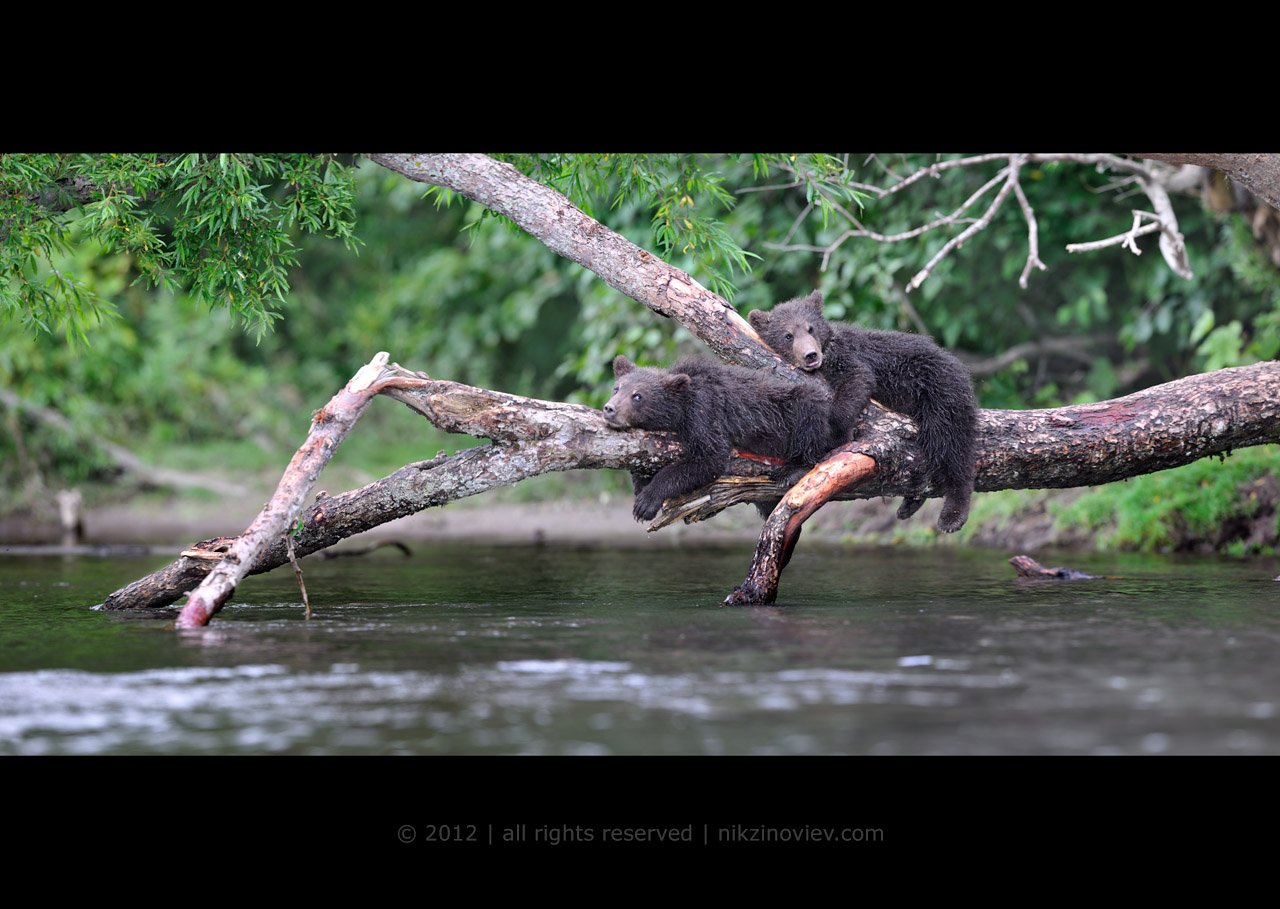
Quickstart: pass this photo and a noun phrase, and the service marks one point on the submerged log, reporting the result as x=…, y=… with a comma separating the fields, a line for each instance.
x=404, y=550
x=1027, y=567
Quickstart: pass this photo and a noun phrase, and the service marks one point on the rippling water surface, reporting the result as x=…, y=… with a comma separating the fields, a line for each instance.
x=472, y=650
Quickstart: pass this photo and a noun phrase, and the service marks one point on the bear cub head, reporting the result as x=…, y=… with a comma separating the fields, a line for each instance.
x=796, y=330
x=645, y=397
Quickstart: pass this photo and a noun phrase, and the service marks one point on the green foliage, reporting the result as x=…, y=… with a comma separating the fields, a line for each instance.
x=162, y=374
x=220, y=225
x=688, y=195
x=1163, y=511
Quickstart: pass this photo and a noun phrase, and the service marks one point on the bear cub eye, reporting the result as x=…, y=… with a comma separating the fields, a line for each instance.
x=636, y=397
x=787, y=336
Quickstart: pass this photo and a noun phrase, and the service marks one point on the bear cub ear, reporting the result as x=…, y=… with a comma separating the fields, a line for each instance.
x=814, y=302
x=678, y=381
x=758, y=318
x=622, y=366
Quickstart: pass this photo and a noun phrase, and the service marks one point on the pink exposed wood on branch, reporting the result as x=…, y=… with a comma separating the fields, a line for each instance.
x=329, y=427
x=782, y=528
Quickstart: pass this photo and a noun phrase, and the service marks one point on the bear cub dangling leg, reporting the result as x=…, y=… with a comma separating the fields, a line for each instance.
x=905, y=372
x=713, y=408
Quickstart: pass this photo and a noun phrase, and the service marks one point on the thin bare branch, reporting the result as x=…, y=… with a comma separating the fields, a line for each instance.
x=1076, y=348
x=877, y=191
x=297, y=573
x=1033, y=237
x=1125, y=239
x=770, y=188
x=795, y=225
x=1151, y=177
x=938, y=167
x=959, y=239
x=1172, y=245
x=860, y=231
x=904, y=303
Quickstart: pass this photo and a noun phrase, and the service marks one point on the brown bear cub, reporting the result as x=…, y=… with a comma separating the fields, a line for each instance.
x=713, y=408
x=907, y=373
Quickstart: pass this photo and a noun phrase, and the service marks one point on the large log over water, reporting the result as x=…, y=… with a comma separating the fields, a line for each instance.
x=1081, y=445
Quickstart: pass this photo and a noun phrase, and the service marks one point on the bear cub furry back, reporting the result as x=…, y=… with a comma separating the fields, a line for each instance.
x=905, y=372
x=713, y=408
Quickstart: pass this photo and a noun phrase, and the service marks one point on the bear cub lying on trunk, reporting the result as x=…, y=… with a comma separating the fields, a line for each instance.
x=905, y=372
x=713, y=408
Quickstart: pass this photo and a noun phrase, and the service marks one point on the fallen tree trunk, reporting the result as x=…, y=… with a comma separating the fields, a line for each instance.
x=1080, y=445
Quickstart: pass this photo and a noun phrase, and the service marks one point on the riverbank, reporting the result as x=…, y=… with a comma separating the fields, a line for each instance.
x=1204, y=507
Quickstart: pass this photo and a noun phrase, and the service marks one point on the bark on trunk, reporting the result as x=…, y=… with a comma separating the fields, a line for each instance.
x=1258, y=173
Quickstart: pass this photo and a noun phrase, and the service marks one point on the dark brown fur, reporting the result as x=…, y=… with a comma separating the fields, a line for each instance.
x=905, y=372
x=713, y=408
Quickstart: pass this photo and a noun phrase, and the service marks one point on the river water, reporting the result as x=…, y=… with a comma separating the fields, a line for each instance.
x=483, y=650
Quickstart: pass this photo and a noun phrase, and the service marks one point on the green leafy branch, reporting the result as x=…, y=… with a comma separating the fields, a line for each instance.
x=221, y=225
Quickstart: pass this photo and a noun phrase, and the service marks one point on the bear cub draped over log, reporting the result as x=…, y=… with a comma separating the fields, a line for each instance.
x=713, y=408
x=905, y=372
